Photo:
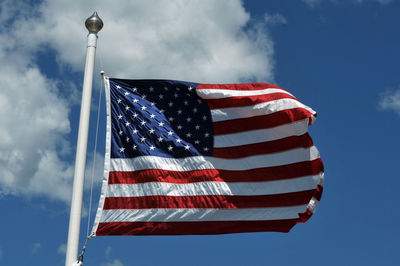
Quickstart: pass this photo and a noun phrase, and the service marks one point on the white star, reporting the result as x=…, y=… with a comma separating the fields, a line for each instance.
x=170, y=133
x=187, y=147
x=152, y=103
x=171, y=119
x=197, y=127
x=206, y=134
x=194, y=110
x=143, y=108
x=121, y=132
x=190, y=88
x=119, y=117
x=151, y=131
x=198, y=100
x=160, y=139
x=134, y=146
x=135, y=115
x=152, y=147
x=188, y=135
x=142, y=139
x=135, y=100
x=185, y=102
x=178, y=140
x=127, y=108
x=144, y=96
x=127, y=139
x=161, y=124
x=119, y=101
x=176, y=95
x=134, y=89
x=160, y=96
x=189, y=119
x=178, y=89
x=205, y=117
x=165, y=88
x=118, y=87
x=205, y=149
x=162, y=111
x=122, y=149
x=170, y=148
x=126, y=93
x=196, y=142
x=143, y=123
x=135, y=131
x=127, y=124
x=152, y=115
x=170, y=104
x=151, y=89
x=179, y=112
x=179, y=127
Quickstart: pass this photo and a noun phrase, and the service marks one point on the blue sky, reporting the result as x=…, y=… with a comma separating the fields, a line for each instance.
x=340, y=57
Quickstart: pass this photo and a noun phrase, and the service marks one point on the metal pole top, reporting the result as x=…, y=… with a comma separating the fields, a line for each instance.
x=94, y=23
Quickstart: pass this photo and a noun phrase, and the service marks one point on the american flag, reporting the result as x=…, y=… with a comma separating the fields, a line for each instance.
x=189, y=158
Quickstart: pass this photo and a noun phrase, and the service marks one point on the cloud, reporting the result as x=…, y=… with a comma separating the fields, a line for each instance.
x=62, y=249
x=200, y=40
x=390, y=100
x=108, y=251
x=115, y=262
x=313, y=3
x=383, y=2
x=35, y=248
x=195, y=40
x=275, y=19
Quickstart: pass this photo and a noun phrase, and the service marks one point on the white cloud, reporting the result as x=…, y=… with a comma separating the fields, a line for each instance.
x=115, y=262
x=35, y=248
x=275, y=19
x=313, y=3
x=378, y=1
x=62, y=249
x=202, y=40
x=390, y=100
x=194, y=40
x=108, y=251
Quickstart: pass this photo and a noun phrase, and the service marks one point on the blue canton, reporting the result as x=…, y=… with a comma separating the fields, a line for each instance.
x=158, y=117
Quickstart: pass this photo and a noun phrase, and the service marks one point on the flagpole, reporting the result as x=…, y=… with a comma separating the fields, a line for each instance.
x=94, y=25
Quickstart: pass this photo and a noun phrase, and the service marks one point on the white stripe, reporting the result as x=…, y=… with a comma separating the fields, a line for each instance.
x=219, y=94
x=214, y=188
x=198, y=215
x=106, y=157
x=205, y=162
x=262, y=135
x=257, y=109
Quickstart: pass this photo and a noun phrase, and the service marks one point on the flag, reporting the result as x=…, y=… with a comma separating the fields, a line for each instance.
x=189, y=158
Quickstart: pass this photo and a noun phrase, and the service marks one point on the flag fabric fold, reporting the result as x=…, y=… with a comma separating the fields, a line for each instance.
x=189, y=158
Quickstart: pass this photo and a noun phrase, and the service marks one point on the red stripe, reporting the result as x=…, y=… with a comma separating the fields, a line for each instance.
x=260, y=122
x=253, y=175
x=209, y=201
x=193, y=228
x=242, y=86
x=240, y=101
x=274, y=173
x=292, y=142
x=160, y=175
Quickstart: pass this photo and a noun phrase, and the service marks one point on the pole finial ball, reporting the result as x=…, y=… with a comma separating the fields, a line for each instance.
x=94, y=23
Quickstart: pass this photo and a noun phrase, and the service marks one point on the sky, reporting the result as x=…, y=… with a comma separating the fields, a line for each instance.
x=340, y=57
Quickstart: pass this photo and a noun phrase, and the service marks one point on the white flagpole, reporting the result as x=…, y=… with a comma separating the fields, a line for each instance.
x=94, y=25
